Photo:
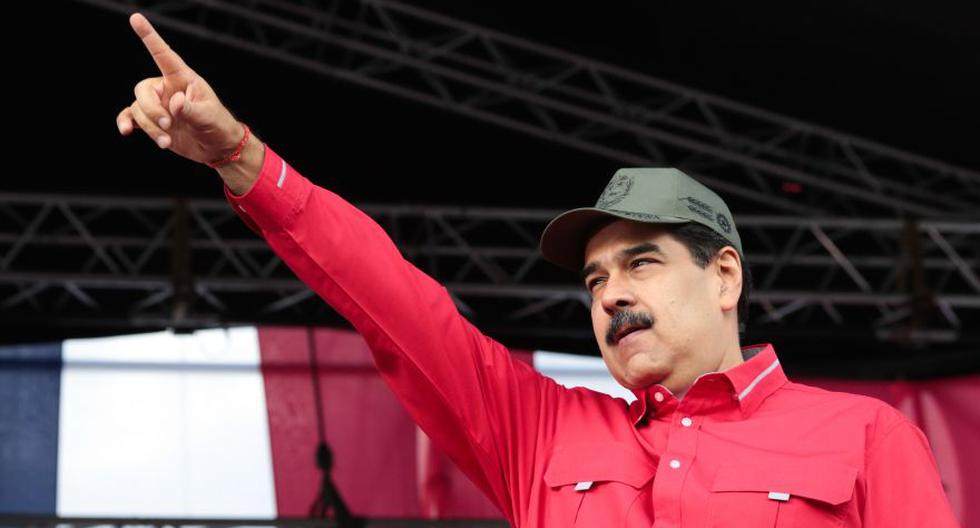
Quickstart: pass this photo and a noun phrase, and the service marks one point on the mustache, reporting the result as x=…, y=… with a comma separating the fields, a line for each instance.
x=626, y=319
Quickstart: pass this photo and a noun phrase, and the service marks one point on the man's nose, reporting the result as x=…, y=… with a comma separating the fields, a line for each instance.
x=617, y=295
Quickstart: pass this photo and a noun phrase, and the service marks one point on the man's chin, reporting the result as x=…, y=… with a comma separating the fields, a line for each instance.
x=641, y=380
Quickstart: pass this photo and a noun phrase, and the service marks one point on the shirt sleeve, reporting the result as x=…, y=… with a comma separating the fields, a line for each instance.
x=492, y=414
x=903, y=488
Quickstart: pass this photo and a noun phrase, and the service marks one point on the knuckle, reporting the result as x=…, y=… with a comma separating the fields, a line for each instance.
x=143, y=88
x=150, y=104
x=142, y=120
x=147, y=111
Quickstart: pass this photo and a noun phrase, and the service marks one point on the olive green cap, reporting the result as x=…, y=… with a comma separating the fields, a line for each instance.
x=656, y=196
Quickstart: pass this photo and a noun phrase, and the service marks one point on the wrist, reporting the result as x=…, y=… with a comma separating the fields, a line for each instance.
x=241, y=174
x=233, y=153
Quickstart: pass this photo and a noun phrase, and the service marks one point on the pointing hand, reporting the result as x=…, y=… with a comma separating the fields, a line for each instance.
x=178, y=110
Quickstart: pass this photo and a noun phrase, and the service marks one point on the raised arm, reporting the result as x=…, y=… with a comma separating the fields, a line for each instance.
x=492, y=414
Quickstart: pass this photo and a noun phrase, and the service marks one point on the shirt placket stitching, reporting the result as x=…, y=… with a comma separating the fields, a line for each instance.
x=681, y=447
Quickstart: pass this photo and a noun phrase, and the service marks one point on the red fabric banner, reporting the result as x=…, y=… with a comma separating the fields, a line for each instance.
x=370, y=434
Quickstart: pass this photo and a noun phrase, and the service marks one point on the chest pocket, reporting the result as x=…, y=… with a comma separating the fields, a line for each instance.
x=786, y=494
x=605, y=484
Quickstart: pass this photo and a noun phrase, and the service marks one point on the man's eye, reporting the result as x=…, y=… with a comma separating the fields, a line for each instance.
x=593, y=283
x=641, y=261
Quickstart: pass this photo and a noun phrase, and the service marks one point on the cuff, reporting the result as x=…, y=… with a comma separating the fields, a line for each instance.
x=275, y=198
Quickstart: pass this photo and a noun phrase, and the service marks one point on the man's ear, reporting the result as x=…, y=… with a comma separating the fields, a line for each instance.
x=729, y=268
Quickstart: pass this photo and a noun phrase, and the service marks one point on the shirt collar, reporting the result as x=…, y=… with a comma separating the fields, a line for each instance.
x=749, y=383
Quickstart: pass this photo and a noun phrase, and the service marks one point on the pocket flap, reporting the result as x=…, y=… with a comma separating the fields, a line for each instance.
x=825, y=481
x=599, y=462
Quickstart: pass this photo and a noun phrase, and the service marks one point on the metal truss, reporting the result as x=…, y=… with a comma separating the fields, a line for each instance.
x=70, y=260
x=748, y=154
x=26, y=521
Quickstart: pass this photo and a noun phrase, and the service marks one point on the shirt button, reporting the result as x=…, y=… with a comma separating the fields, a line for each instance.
x=674, y=464
x=686, y=422
x=659, y=396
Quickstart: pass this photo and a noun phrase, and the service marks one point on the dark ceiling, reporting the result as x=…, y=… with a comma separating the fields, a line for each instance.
x=899, y=72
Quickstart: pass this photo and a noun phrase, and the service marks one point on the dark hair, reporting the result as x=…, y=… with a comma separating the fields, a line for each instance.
x=704, y=244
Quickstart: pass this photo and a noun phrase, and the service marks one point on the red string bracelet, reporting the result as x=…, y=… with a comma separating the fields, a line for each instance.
x=234, y=155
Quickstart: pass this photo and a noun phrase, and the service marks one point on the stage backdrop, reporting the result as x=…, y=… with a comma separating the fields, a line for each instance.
x=222, y=423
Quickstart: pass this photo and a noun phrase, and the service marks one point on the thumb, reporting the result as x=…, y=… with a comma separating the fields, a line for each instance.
x=182, y=104
x=179, y=104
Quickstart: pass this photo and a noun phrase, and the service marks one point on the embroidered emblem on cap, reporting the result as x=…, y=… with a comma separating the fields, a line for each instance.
x=700, y=208
x=723, y=223
x=614, y=193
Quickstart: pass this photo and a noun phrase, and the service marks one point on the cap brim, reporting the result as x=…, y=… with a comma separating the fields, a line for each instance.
x=563, y=240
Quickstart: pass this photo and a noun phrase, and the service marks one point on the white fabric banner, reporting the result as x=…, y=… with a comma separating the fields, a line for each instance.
x=165, y=425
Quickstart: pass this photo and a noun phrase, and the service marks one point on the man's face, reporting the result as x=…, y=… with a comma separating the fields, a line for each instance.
x=657, y=315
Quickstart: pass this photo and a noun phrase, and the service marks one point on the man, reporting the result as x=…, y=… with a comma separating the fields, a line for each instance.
x=717, y=436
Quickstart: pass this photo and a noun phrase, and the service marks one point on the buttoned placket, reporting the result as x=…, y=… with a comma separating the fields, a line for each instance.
x=678, y=457
x=675, y=463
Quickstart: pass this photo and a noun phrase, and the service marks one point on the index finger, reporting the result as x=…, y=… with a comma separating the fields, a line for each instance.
x=167, y=60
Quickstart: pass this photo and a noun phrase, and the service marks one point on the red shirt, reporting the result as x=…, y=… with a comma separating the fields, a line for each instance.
x=744, y=447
